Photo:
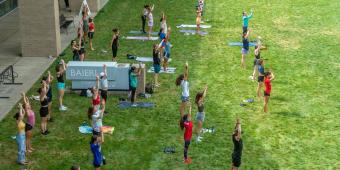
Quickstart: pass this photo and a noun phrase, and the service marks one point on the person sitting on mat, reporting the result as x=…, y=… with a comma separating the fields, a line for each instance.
x=187, y=124
x=134, y=82
x=245, y=48
x=156, y=63
x=245, y=19
x=115, y=43
x=238, y=146
x=198, y=18
x=182, y=80
x=268, y=77
x=150, y=19
x=144, y=15
x=199, y=100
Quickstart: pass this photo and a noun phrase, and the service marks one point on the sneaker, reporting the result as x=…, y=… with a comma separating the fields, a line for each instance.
x=62, y=108
x=200, y=137
x=134, y=105
x=188, y=160
x=198, y=140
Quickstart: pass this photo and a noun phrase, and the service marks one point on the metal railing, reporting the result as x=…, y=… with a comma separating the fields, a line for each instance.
x=7, y=77
x=7, y=6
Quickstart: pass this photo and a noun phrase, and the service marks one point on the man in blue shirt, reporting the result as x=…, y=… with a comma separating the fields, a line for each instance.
x=245, y=19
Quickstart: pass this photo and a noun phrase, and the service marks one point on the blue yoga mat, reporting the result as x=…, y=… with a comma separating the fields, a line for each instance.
x=85, y=129
x=125, y=104
x=251, y=44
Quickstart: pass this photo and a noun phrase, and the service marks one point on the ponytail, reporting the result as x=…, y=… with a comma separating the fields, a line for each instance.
x=179, y=79
x=183, y=119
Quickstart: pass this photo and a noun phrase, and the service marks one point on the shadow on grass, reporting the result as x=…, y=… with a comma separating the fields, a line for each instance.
x=279, y=98
x=290, y=114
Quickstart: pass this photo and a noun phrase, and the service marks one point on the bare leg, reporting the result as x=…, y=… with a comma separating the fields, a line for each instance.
x=199, y=128
x=265, y=108
x=243, y=61
x=61, y=96
x=182, y=108
x=49, y=111
x=259, y=87
x=150, y=31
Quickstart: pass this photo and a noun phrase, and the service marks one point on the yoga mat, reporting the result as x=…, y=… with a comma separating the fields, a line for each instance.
x=140, y=32
x=193, y=32
x=169, y=70
x=85, y=129
x=251, y=44
x=126, y=104
x=107, y=129
x=192, y=26
x=141, y=38
x=147, y=59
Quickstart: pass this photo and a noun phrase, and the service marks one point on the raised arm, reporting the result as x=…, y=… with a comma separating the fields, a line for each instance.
x=49, y=77
x=251, y=14
x=186, y=71
x=97, y=83
x=139, y=68
x=43, y=90
x=25, y=99
x=238, y=127
x=205, y=91
x=272, y=76
x=64, y=65
x=153, y=6
x=104, y=70
x=168, y=33
x=21, y=112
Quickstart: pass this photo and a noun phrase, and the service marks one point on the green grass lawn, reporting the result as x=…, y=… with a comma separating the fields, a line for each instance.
x=301, y=130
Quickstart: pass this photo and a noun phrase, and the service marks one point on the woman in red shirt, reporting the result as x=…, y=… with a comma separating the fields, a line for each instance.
x=91, y=32
x=187, y=124
x=268, y=77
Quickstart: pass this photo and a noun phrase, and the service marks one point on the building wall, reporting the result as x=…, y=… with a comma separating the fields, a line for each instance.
x=39, y=25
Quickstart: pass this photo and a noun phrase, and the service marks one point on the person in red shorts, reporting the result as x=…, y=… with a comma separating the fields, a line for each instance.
x=187, y=124
x=268, y=77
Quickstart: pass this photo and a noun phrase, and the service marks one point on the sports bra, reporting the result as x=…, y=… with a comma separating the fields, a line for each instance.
x=96, y=101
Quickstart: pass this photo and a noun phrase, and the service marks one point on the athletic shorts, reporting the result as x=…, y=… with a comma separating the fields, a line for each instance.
x=244, y=51
x=200, y=116
x=95, y=133
x=43, y=111
x=103, y=94
x=82, y=51
x=184, y=99
x=266, y=94
x=28, y=127
x=150, y=23
x=157, y=68
x=114, y=51
x=260, y=79
x=256, y=62
x=90, y=35
x=236, y=161
x=61, y=86
x=245, y=29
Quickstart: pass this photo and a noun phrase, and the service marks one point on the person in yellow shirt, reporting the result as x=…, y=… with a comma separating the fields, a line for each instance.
x=19, y=116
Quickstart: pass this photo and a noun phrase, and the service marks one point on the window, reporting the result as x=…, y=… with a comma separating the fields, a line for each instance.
x=7, y=6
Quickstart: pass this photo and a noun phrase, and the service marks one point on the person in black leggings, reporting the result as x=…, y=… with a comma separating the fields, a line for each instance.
x=144, y=14
x=238, y=146
x=115, y=43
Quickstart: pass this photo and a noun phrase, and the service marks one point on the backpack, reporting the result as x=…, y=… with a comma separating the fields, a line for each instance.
x=149, y=88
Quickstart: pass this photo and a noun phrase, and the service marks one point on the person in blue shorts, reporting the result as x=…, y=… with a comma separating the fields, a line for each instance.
x=60, y=69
